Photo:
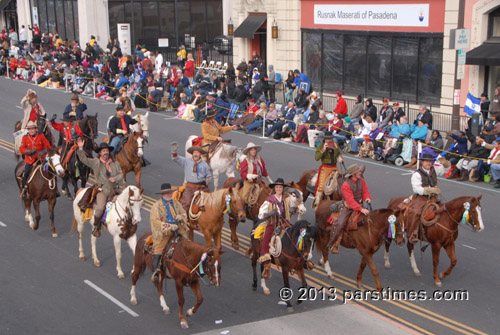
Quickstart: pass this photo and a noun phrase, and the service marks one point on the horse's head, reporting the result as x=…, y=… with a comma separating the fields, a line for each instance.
x=54, y=161
x=475, y=214
x=296, y=202
x=138, y=140
x=143, y=121
x=236, y=203
x=303, y=235
x=135, y=201
x=89, y=127
x=212, y=265
x=399, y=225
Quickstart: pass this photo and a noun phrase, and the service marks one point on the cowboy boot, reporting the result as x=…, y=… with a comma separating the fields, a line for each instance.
x=411, y=163
x=96, y=231
x=317, y=199
x=24, y=193
x=464, y=175
x=155, y=278
x=337, y=229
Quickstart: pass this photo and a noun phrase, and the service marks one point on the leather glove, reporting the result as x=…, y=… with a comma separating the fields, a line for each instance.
x=270, y=181
x=120, y=131
x=30, y=152
x=80, y=99
x=427, y=190
x=434, y=190
x=173, y=147
x=54, y=117
x=251, y=177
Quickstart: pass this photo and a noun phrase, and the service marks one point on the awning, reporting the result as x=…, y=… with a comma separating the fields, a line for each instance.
x=3, y=4
x=248, y=27
x=487, y=54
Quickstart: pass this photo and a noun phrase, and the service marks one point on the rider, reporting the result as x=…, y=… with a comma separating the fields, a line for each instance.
x=211, y=130
x=354, y=191
x=424, y=185
x=166, y=215
x=329, y=154
x=278, y=207
x=70, y=132
x=108, y=175
x=119, y=126
x=31, y=147
x=196, y=172
x=252, y=170
x=32, y=109
x=76, y=108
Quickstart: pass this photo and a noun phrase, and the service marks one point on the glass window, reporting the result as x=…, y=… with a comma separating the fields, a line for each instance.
x=431, y=60
x=332, y=61
x=116, y=15
x=199, y=20
x=496, y=26
x=150, y=28
x=167, y=21
x=137, y=26
x=77, y=23
x=68, y=20
x=311, y=57
x=405, y=68
x=51, y=16
x=183, y=20
x=42, y=16
x=355, y=66
x=379, y=66
x=60, y=19
x=214, y=19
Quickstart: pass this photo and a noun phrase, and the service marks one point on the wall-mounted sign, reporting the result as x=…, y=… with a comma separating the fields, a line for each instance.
x=124, y=38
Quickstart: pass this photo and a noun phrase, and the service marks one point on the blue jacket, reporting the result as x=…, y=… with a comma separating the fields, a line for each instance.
x=122, y=82
x=418, y=133
x=80, y=108
x=225, y=106
x=399, y=129
x=461, y=145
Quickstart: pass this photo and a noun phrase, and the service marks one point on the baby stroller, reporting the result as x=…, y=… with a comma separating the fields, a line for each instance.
x=400, y=154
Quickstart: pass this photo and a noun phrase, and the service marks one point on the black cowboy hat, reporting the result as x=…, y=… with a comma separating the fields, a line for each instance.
x=103, y=145
x=68, y=118
x=328, y=135
x=166, y=188
x=210, y=114
x=427, y=157
x=278, y=182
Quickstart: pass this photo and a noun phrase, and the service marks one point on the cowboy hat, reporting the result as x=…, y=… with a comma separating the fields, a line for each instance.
x=68, y=118
x=278, y=182
x=74, y=96
x=426, y=157
x=196, y=148
x=251, y=145
x=31, y=124
x=210, y=114
x=103, y=145
x=166, y=188
x=328, y=135
x=352, y=169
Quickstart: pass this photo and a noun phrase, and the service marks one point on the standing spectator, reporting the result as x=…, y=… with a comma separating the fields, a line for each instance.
x=242, y=71
x=341, y=108
x=495, y=106
x=230, y=71
x=370, y=109
x=14, y=39
x=23, y=35
x=205, y=49
x=181, y=56
x=386, y=114
x=271, y=78
x=424, y=115
x=158, y=61
x=189, y=68
x=485, y=105
x=318, y=128
x=301, y=81
x=289, y=86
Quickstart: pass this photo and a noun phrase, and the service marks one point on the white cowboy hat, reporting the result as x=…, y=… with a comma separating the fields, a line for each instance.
x=31, y=124
x=251, y=145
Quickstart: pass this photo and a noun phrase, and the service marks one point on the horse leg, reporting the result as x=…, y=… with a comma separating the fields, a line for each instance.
x=138, y=173
x=208, y=237
x=36, y=207
x=139, y=263
x=216, y=179
x=64, y=187
x=132, y=243
x=387, y=263
x=195, y=287
x=300, y=273
x=450, y=251
x=180, y=300
x=286, y=283
x=74, y=182
x=28, y=217
x=80, y=227
x=118, y=252
x=321, y=245
x=233, y=224
x=52, y=204
x=359, y=276
x=93, y=240
x=436, y=249
x=163, y=303
x=254, y=270
x=217, y=236
x=374, y=270
x=267, y=291
x=411, y=252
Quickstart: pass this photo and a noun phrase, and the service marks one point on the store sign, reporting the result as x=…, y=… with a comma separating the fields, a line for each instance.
x=462, y=39
x=35, y=16
x=124, y=38
x=414, y=15
x=461, y=56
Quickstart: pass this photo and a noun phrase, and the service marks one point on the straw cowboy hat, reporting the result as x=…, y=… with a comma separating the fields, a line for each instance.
x=352, y=169
x=31, y=124
x=251, y=145
x=196, y=148
x=74, y=96
x=166, y=188
x=278, y=182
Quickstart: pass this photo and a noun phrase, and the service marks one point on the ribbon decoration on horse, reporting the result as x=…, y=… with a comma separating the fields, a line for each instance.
x=392, y=226
x=300, y=240
x=200, y=264
x=228, y=204
x=466, y=216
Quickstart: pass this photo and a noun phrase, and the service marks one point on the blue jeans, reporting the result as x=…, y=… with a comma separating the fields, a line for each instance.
x=256, y=124
x=289, y=95
x=495, y=171
x=114, y=143
x=337, y=137
x=221, y=115
x=276, y=126
x=355, y=142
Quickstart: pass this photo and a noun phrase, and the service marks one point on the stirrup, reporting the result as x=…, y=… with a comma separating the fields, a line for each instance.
x=96, y=231
x=155, y=278
x=334, y=249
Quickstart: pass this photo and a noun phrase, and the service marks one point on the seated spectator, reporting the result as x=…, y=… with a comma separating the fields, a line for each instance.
x=319, y=128
x=484, y=166
x=195, y=103
x=367, y=146
x=301, y=100
x=311, y=120
x=364, y=131
x=270, y=117
x=466, y=164
x=436, y=142
x=424, y=115
x=205, y=85
x=248, y=118
x=386, y=114
x=398, y=111
x=155, y=97
x=222, y=107
x=286, y=119
x=419, y=133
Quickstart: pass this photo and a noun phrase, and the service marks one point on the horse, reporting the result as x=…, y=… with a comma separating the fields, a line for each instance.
x=188, y=261
x=367, y=238
x=130, y=155
x=142, y=124
x=222, y=160
x=443, y=233
x=293, y=256
x=76, y=170
x=211, y=219
x=124, y=215
x=43, y=128
x=43, y=186
x=296, y=206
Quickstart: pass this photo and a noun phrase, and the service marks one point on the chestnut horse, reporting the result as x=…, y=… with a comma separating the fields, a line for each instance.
x=297, y=206
x=367, y=239
x=211, y=220
x=43, y=186
x=294, y=255
x=188, y=261
x=443, y=233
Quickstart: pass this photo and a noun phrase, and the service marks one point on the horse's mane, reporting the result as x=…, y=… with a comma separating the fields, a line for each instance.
x=228, y=150
x=383, y=210
x=295, y=229
x=192, y=249
x=216, y=199
x=238, y=183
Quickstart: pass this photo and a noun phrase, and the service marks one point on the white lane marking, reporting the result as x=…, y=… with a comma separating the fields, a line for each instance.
x=2, y=224
x=19, y=107
x=406, y=174
x=110, y=297
x=469, y=247
x=103, y=133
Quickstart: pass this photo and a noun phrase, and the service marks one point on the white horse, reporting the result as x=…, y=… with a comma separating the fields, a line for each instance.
x=221, y=162
x=142, y=123
x=124, y=215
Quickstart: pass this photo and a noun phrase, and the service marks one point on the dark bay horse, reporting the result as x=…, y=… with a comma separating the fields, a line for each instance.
x=443, y=233
x=188, y=262
x=76, y=170
x=294, y=255
x=43, y=186
x=253, y=212
x=367, y=239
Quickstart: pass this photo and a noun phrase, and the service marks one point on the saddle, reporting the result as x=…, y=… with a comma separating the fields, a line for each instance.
x=20, y=170
x=354, y=221
x=213, y=148
x=88, y=198
x=311, y=183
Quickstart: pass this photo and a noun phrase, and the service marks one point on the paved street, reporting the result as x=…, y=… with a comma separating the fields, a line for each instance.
x=45, y=288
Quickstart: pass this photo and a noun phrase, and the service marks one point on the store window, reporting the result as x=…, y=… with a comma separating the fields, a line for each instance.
x=355, y=64
x=333, y=61
x=405, y=67
x=311, y=49
x=57, y=16
x=379, y=65
x=494, y=24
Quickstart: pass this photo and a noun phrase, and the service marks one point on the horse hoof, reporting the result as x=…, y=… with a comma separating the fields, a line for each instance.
x=236, y=246
x=441, y=275
x=417, y=274
x=290, y=309
x=82, y=258
x=121, y=276
x=133, y=302
x=189, y=312
x=267, y=292
x=97, y=264
x=438, y=284
x=166, y=311
x=34, y=227
x=332, y=277
x=387, y=266
x=184, y=325
x=254, y=288
x=55, y=235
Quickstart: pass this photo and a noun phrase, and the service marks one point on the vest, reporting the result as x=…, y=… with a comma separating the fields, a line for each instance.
x=357, y=189
x=428, y=181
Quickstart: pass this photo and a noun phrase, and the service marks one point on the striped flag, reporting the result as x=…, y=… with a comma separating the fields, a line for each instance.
x=472, y=104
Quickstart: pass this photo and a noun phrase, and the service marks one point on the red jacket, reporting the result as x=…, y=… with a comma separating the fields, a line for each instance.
x=35, y=111
x=341, y=107
x=189, y=68
x=37, y=142
x=244, y=168
x=349, y=196
x=252, y=109
x=67, y=130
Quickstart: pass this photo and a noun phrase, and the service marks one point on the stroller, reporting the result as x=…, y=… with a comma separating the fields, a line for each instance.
x=400, y=154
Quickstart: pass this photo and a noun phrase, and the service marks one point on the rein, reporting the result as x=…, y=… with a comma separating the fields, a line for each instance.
x=128, y=209
x=125, y=153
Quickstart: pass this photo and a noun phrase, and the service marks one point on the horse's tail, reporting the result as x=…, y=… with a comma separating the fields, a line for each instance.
x=73, y=225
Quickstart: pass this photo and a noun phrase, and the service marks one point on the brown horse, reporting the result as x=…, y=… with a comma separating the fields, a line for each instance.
x=43, y=186
x=293, y=255
x=443, y=233
x=43, y=128
x=130, y=156
x=211, y=220
x=188, y=261
x=252, y=212
x=367, y=239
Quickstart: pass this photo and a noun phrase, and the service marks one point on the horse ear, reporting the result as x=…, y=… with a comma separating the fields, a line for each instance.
x=222, y=252
x=230, y=189
x=130, y=192
x=142, y=191
x=96, y=115
x=479, y=198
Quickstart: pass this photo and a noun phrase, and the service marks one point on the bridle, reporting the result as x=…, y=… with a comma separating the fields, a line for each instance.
x=128, y=209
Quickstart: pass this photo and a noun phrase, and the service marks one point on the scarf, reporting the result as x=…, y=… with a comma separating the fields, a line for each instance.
x=251, y=162
x=107, y=163
x=280, y=204
x=124, y=125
